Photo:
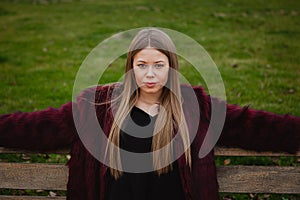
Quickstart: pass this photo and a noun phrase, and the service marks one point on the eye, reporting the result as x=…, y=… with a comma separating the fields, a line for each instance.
x=159, y=65
x=142, y=66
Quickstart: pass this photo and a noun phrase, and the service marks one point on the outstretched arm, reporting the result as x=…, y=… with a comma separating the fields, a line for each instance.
x=260, y=130
x=42, y=130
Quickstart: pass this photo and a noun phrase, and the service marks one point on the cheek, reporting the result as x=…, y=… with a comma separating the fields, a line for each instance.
x=165, y=76
x=137, y=76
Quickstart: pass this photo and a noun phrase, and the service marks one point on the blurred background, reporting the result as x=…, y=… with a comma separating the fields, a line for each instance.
x=255, y=44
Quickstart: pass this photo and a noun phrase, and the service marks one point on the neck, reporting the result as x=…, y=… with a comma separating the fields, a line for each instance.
x=149, y=99
x=149, y=103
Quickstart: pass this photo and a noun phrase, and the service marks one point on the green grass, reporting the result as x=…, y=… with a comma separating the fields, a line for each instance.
x=255, y=45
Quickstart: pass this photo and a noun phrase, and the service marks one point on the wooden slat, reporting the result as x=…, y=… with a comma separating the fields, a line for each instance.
x=30, y=198
x=241, y=152
x=59, y=151
x=237, y=179
x=259, y=179
x=219, y=151
x=33, y=176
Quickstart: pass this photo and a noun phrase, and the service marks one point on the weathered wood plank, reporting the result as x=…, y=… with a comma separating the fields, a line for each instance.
x=58, y=151
x=219, y=151
x=30, y=198
x=259, y=179
x=238, y=179
x=33, y=176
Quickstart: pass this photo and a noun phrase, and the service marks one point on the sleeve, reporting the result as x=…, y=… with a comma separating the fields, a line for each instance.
x=44, y=130
x=260, y=130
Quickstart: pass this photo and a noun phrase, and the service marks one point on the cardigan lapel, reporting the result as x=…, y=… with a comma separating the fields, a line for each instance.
x=185, y=177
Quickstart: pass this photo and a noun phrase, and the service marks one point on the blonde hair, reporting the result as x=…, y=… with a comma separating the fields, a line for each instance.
x=170, y=100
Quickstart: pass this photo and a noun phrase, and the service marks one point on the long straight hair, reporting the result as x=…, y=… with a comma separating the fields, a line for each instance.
x=168, y=122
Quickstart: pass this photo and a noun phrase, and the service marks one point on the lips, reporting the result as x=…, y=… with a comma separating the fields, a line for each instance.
x=150, y=84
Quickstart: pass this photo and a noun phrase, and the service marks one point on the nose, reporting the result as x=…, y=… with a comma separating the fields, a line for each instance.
x=150, y=73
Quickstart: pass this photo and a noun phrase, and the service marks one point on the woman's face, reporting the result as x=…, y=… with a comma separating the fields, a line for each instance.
x=151, y=69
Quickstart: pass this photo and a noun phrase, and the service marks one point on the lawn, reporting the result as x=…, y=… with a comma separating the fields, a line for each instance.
x=255, y=44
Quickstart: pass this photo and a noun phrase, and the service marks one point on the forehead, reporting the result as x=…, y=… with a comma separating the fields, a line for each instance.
x=150, y=55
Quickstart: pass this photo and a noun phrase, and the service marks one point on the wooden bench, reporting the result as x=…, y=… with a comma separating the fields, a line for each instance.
x=232, y=179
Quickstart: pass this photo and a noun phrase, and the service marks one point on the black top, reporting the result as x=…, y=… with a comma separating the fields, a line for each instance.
x=143, y=186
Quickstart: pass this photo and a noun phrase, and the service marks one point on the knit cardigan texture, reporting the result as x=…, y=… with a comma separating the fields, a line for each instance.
x=54, y=128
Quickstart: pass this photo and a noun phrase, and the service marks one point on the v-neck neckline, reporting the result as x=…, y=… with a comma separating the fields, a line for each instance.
x=143, y=111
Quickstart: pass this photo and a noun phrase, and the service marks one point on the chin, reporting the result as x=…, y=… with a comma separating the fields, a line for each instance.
x=151, y=90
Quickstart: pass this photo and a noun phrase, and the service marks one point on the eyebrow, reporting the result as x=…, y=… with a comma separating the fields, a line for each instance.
x=154, y=62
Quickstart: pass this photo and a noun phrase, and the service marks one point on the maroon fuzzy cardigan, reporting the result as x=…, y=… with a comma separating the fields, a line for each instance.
x=52, y=129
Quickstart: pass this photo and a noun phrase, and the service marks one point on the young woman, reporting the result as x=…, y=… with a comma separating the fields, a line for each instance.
x=144, y=114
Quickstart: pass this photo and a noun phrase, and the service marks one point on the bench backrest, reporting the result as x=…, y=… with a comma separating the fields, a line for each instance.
x=231, y=178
